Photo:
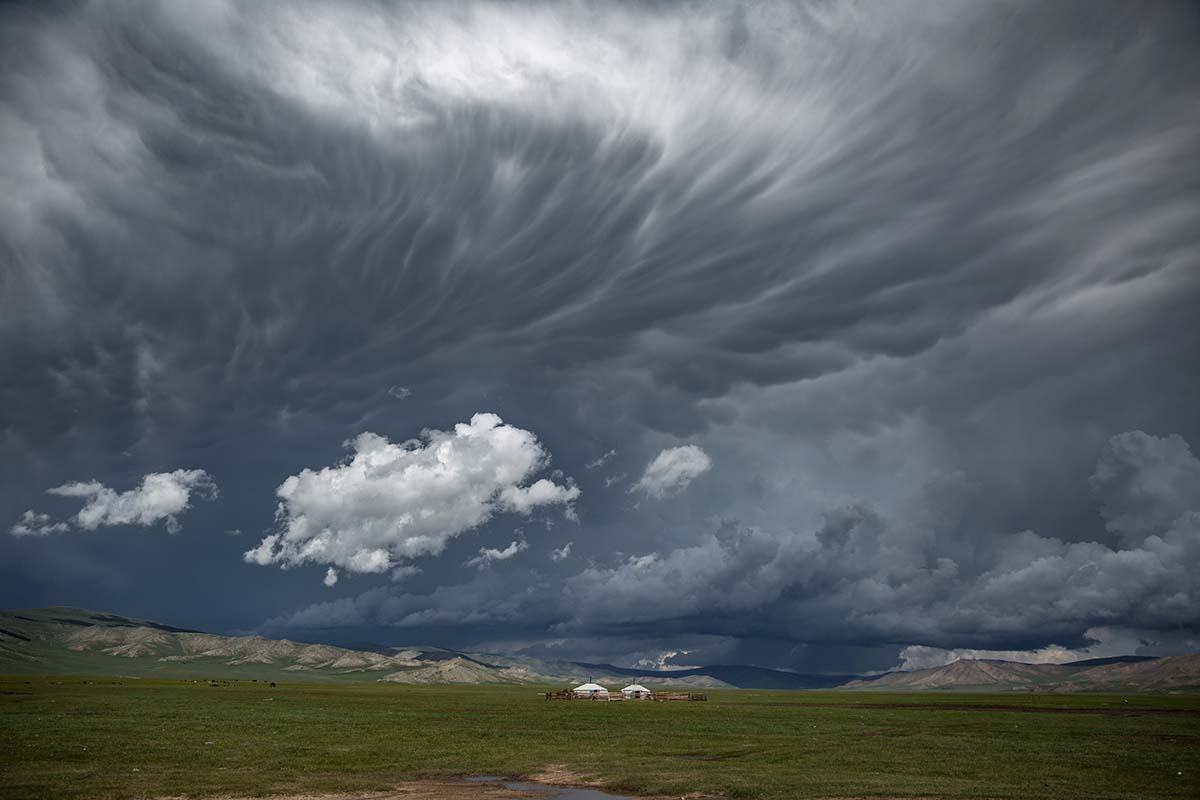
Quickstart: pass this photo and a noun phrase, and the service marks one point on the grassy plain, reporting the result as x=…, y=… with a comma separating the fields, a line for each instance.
x=125, y=738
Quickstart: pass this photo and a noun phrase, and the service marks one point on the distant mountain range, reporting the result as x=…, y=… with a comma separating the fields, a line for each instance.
x=75, y=641
x=1120, y=674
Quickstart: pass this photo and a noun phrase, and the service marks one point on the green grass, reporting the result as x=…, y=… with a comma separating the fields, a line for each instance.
x=66, y=738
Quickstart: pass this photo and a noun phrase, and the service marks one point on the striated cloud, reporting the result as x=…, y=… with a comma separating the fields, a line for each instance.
x=900, y=275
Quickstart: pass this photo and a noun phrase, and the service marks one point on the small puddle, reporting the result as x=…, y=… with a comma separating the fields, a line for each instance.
x=552, y=792
x=564, y=792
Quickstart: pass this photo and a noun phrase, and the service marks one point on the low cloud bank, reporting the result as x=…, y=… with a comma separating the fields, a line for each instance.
x=862, y=577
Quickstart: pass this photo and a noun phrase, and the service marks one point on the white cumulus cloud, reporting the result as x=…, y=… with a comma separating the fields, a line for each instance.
x=541, y=493
x=331, y=577
x=35, y=524
x=672, y=470
x=562, y=552
x=389, y=502
x=488, y=555
x=160, y=497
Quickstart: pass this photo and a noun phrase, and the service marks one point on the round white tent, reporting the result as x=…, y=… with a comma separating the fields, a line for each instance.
x=635, y=691
x=590, y=690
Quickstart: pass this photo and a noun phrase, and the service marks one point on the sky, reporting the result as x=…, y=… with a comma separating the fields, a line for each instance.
x=826, y=336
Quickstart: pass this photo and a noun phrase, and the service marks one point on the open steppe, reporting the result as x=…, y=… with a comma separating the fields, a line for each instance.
x=119, y=737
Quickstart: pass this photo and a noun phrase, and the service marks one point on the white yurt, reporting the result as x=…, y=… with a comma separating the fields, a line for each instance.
x=635, y=691
x=591, y=690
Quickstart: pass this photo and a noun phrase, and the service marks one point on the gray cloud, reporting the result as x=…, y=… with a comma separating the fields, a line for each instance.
x=859, y=576
x=1145, y=483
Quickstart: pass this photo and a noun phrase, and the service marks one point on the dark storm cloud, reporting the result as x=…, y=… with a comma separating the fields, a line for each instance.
x=1145, y=484
x=919, y=261
x=856, y=580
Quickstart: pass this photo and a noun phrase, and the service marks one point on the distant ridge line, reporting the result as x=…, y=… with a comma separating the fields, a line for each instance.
x=1099, y=662
x=1113, y=674
x=72, y=641
x=66, y=640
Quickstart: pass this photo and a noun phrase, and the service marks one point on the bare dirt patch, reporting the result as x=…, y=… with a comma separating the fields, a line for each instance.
x=559, y=775
x=414, y=790
x=548, y=780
